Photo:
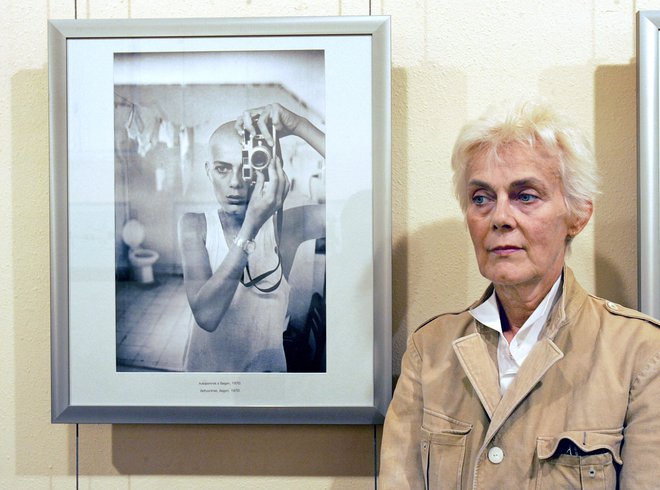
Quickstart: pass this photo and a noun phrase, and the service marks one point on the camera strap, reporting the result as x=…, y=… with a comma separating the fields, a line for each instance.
x=256, y=280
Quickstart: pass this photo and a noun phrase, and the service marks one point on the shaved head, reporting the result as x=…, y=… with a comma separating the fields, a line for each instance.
x=224, y=170
x=225, y=139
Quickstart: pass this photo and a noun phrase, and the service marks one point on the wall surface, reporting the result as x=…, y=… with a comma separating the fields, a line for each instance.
x=451, y=59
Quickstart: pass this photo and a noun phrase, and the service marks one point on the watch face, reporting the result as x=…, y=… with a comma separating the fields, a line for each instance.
x=249, y=246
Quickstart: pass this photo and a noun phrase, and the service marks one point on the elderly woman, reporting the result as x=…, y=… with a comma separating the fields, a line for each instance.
x=538, y=384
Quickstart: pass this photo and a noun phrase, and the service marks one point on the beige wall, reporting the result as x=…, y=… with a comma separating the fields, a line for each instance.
x=450, y=60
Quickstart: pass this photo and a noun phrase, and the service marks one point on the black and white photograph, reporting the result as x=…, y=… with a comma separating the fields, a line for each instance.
x=220, y=211
x=221, y=220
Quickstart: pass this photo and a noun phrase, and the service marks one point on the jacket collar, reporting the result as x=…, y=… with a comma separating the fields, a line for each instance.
x=572, y=298
x=477, y=355
x=571, y=302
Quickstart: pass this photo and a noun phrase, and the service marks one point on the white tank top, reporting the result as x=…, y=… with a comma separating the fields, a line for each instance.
x=249, y=337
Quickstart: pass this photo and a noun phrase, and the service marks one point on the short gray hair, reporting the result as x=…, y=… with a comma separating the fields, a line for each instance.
x=531, y=124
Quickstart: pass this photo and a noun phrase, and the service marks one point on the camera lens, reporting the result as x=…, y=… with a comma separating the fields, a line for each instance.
x=260, y=158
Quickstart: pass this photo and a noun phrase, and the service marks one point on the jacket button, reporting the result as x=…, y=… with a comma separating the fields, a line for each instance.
x=495, y=455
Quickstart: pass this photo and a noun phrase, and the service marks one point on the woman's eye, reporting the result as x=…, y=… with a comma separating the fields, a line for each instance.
x=527, y=197
x=222, y=169
x=479, y=199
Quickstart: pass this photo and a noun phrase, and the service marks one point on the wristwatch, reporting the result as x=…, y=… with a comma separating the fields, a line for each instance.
x=245, y=244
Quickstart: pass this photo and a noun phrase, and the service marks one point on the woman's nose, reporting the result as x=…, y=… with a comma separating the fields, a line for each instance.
x=237, y=178
x=502, y=215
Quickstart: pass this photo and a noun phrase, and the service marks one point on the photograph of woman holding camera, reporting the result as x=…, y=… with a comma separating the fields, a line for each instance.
x=237, y=259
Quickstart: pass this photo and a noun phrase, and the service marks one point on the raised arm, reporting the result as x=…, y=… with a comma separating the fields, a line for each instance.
x=300, y=224
x=285, y=122
x=209, y=294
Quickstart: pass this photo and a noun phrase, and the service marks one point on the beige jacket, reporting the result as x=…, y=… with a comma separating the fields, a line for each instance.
x=582, y=412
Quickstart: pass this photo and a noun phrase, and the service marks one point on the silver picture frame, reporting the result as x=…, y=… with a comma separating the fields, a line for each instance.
x=648, y=111
x=357, y=388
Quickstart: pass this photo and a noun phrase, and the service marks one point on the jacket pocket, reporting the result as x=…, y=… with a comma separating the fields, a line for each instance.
x=442, y=448
x=579, y=459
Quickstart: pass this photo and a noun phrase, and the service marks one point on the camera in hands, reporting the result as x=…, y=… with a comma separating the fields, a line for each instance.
x=257, y=153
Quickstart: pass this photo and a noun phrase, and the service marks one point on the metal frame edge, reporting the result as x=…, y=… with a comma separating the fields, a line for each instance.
x=648, y=67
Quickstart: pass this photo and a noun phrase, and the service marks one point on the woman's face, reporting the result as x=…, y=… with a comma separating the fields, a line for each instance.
x=225, y=172
x=517, y=217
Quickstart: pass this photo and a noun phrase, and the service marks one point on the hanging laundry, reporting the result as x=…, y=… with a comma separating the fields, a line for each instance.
x=166, y=133
x=142, y=125
x=186, y=142
x=134, y=124
x=160, y=178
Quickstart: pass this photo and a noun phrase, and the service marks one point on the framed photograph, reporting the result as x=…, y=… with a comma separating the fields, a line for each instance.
x=220, y=220
x=648, y=110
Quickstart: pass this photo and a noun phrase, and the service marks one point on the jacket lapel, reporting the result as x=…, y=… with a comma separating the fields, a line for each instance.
x=542, y=357
x=481, y=369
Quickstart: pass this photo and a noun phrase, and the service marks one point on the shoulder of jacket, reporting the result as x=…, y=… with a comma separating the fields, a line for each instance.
x=442, y=318
x=622, y=311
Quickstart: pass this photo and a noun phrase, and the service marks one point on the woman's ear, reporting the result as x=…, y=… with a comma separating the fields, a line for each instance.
x=207, y=166
x=579, y=222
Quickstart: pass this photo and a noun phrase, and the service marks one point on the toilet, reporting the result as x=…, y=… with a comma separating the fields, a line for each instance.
x=141, y=259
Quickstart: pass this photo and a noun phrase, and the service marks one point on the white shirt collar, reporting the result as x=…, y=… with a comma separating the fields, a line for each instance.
x=488, y=313
x=511, y=356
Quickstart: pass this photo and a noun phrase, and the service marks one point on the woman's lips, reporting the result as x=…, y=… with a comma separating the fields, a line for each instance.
x=505, y=250
x=236, y=199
